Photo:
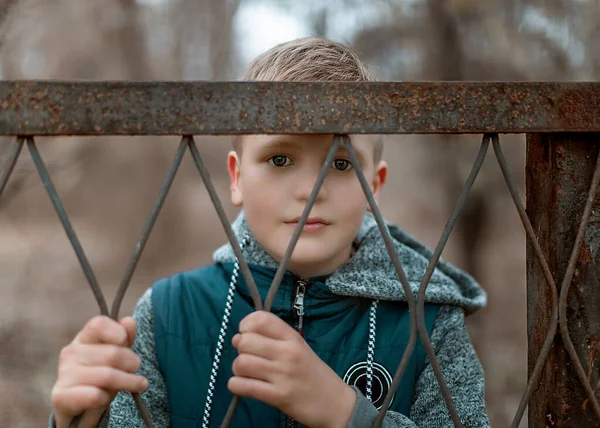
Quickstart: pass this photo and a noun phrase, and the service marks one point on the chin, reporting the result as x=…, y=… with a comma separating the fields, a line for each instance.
x=307, y=252
x=313, y=260
x=304, y=260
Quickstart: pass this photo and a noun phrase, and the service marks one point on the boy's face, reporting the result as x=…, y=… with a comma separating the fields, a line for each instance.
x=272, y=178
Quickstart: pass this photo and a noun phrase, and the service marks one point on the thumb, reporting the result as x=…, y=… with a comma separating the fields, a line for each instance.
x=130, y=326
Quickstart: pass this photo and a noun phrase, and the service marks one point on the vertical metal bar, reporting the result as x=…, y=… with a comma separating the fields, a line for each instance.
x=399, y=271
x=564, y=293
x=137, y=253
x=422, y=328
x=130, y=269
x=288, y=253
x=560, y=168
x=87, y=269
x=303, y=218
x=64, y=219
x=532, y=240
x=10, y=164
x=214, y=196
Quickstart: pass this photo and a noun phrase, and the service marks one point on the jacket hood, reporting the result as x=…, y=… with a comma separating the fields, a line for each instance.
x=370, y=272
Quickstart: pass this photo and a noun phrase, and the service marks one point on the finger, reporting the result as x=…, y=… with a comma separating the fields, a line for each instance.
x=251, y=366
x=257, y=344
x=267, y=324
x=257, y=389
x=91, y=417
x=102, y=329
x=68, y=402
x=106, y=378
x=131, y=328
x=118, y=357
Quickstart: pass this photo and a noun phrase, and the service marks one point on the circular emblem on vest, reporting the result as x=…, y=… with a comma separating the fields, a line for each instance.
x=382, y=381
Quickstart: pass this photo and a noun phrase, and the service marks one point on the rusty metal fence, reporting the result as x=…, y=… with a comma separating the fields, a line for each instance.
x=562, y=123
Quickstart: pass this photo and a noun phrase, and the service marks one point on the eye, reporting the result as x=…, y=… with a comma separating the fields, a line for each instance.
x=342, y=164
x=280, y=161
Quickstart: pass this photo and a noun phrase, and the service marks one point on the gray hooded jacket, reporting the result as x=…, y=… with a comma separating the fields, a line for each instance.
x=369, y=274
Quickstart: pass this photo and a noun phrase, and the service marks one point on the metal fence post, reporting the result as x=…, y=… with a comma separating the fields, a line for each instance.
x=560, y=167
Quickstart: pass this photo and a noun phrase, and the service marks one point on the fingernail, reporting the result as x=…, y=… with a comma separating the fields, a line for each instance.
x=145, y=384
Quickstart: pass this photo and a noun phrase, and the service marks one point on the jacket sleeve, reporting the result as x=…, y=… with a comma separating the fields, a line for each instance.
x=123, y=411
x=463, y=375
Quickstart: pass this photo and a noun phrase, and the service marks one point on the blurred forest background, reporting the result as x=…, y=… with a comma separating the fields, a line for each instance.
x=109, y=184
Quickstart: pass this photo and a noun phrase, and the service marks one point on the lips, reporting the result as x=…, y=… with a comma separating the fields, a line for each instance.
x=313, y=224
x=310, y=220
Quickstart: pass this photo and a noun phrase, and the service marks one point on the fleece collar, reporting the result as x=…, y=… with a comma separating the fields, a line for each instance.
x=370, y=272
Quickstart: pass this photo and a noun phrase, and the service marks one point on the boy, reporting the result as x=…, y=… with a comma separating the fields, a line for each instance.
x=326, y=355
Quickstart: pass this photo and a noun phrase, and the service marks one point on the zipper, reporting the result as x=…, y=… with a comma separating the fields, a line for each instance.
x=299, y=305
x=298, y=312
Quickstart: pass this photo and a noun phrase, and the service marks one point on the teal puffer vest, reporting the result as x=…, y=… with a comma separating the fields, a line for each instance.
x=188, y=309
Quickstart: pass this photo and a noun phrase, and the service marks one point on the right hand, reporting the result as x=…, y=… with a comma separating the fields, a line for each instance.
x=96, y=365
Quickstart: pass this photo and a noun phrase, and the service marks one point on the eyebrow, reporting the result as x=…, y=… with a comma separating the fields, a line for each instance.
x=359, y=155
x=274, y=144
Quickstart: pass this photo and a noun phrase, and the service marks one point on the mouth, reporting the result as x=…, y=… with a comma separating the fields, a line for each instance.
x=312, y=224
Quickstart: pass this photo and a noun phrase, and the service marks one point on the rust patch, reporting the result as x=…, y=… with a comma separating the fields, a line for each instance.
x=175, y=108
x=585, y=256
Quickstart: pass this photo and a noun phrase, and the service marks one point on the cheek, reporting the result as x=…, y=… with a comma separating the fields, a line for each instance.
x=261, y=194
x=350, y=197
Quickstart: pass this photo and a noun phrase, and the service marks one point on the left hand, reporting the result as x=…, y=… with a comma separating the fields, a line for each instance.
x=276, y=366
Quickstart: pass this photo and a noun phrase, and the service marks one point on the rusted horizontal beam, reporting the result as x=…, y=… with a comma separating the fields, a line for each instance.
x=169, y=108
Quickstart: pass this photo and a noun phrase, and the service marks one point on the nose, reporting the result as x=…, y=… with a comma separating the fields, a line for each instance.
x=305, y=181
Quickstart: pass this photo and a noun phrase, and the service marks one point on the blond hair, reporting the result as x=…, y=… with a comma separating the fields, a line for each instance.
x=311, y=59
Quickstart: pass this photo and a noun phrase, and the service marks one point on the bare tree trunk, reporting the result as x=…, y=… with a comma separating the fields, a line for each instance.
x=132, y=43
x=592, y=41
x=7, y=70
x=221, y=37
x=447, y=59
x=446, y=63
x=320, y=24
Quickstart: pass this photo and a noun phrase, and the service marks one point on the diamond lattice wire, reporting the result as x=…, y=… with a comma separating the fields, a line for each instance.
x=564, y=292
x=188, y=142
x=532, y=384
x=66, y=223
x=417, y=312
x=88, y=271
x=139, y=248
x=288, y=253
x=431, y=267
x=420, y=308
x=15, y=151
x=420, y=328
x=557, y=306
x=214, y=197
x=128, y=274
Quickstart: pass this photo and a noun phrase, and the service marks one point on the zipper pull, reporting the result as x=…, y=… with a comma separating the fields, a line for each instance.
x=299, y=304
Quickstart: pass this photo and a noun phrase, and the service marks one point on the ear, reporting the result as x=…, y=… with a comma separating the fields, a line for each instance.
x=379, y=179
x=233, y=168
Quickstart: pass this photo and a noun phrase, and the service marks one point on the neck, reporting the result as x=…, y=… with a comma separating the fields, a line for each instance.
x=325, y=267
